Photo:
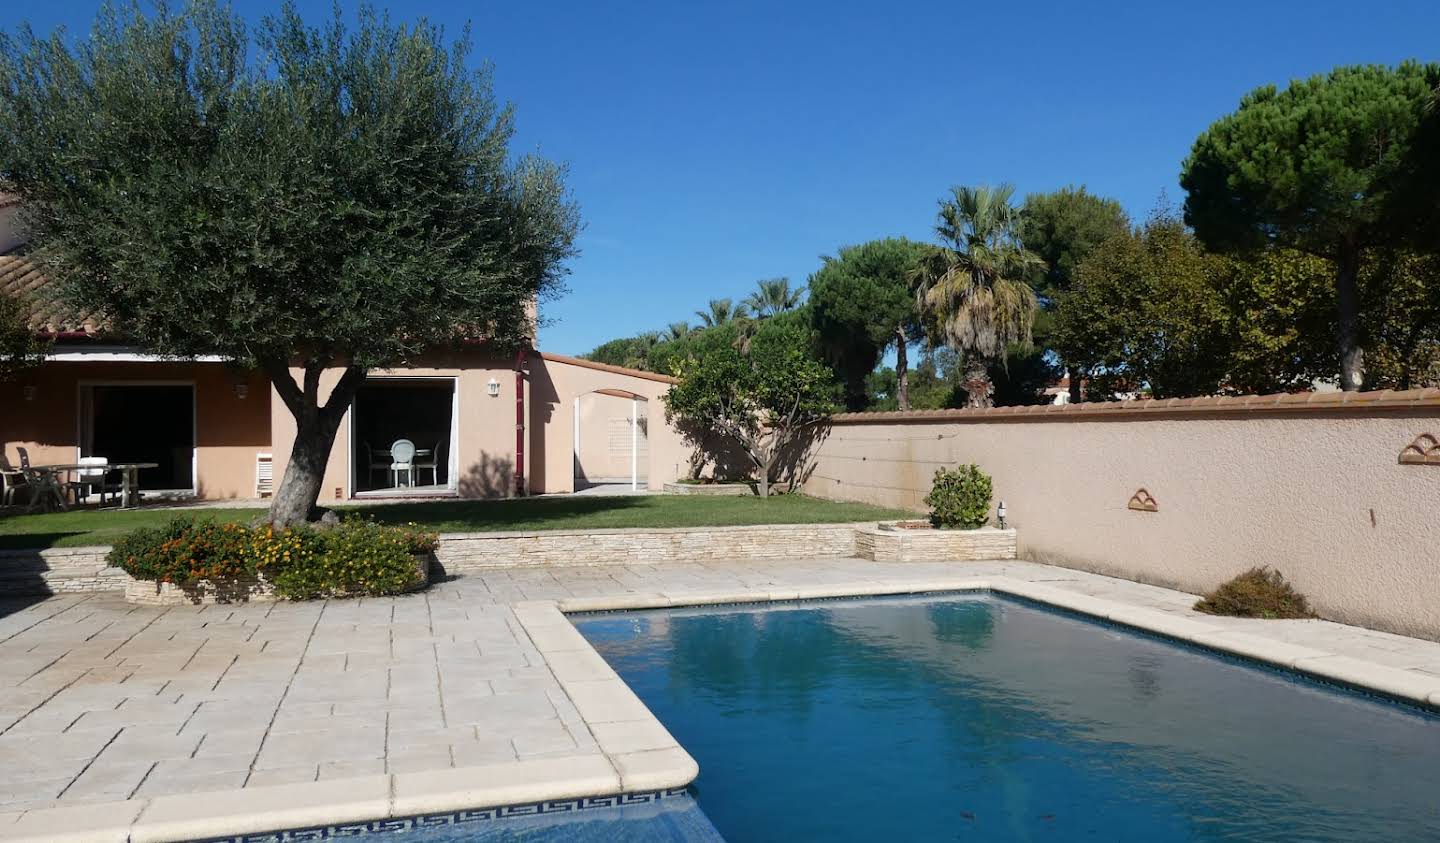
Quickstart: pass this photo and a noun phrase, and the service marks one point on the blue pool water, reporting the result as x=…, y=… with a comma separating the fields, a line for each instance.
x=980, y=718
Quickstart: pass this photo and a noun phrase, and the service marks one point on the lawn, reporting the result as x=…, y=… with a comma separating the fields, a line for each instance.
x=76, y=529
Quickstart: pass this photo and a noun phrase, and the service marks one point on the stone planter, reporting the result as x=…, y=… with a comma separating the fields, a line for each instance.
x=739, y=490
x=253, y=589
x=917, y=541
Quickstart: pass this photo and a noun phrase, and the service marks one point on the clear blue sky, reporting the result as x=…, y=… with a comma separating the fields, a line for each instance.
x=714, y=144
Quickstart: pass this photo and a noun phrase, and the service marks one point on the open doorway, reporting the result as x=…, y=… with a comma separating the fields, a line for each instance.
x=395, y=417
x=142, y=422
x=611, y=450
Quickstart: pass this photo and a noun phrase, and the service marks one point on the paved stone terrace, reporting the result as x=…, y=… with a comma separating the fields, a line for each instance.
x=106, y=701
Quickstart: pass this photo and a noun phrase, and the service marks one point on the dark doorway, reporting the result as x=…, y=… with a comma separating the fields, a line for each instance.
x=143, y=423
x=418, y=410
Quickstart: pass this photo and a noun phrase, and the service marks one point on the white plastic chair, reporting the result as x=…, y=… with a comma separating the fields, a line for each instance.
x=12, y=480
x=402, y=458
x=90, y=479
x=264, y=475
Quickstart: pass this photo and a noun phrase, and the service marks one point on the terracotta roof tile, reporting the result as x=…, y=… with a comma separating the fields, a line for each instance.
x=22, y=277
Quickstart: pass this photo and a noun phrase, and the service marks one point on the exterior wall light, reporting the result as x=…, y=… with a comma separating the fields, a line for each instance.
x=29, y=392
x=493, y=387
x=1000, y=514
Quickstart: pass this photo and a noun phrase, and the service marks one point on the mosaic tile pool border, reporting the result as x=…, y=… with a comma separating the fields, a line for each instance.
x=374, y=828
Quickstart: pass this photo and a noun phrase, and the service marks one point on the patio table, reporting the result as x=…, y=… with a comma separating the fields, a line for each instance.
x=129, y=484
x=49, y=492
x=46, y=491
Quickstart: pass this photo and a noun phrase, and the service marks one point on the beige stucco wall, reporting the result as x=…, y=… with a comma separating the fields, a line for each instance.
x=486, y=432
x=485, y=440
x=1318, y=494
x=230, y=430
x=555, y=382
x=605, y=442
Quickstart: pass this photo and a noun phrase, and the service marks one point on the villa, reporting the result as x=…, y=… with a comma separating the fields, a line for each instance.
x=484, y=424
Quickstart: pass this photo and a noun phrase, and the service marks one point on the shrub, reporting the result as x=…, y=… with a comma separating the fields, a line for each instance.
x=356, y=557
x=184, y=550
x=1257, y=593
x=960, y=498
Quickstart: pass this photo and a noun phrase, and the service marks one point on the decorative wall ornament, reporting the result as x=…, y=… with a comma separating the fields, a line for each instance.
x=1143, y=501
x=1424, y=450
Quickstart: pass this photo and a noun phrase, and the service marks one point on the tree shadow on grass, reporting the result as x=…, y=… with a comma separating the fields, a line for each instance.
x=493, y=515
x=34, y=541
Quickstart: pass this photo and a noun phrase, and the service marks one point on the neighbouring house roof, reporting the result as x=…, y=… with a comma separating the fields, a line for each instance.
x=23, y=278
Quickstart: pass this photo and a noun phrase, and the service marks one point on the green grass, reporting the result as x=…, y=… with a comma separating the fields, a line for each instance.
x=76, y=529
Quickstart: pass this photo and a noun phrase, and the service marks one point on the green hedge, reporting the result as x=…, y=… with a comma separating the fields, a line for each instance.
x=357, y=557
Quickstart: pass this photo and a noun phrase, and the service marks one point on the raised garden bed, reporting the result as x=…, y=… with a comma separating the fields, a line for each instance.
x=917, y=541
x=249, y=589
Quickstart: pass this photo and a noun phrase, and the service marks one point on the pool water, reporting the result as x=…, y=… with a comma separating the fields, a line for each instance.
x=977, y=718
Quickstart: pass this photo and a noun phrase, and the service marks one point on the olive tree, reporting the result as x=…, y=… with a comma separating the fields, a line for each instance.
x=20, y=347
x=765, y=395
x=1323, y=166
x=295, y=198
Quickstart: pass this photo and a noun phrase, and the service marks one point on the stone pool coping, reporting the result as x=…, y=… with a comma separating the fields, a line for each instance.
x=636, y=752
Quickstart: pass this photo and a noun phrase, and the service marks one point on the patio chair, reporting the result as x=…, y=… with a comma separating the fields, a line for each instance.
x=377, y=459
x=12, y=481
x=402, y=459
x=88, y=480
x=429, y=462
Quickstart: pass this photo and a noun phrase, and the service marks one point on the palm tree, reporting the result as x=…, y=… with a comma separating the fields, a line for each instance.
x=772, y=296
x=973, y=284
x=677, y=330
x=721, y=312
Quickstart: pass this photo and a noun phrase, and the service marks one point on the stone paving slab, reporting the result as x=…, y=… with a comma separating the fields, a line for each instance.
x=476, y=692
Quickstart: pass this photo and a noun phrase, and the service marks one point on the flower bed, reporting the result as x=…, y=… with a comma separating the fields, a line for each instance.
x=198, y=561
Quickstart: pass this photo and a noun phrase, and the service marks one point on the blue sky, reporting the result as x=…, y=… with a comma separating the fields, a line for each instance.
x=713, y=144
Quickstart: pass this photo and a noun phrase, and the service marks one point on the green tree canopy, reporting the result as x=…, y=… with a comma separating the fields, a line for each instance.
x=772, y=296
x=631, y=352
x=1146, y=313
x=863, y=302
x=1063, y=228
x=974, y=285
x=721, y=312
x=766, y=396
x=20, y=348
x=335, y=199
x=1321, y=166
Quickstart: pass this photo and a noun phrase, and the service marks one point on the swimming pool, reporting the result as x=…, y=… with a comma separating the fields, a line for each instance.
x=978, y=717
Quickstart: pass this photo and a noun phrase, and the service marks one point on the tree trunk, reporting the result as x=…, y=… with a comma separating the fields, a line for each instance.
x=978, y=388
x=902, y=368
x=1073, y=373
x=315, y=428
x=1347, y=297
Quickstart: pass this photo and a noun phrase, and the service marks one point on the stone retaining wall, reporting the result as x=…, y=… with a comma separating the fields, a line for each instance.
x=468, y=551
x=65, y=570
x=925, y=545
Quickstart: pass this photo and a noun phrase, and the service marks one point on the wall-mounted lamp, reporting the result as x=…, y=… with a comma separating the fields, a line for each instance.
x=493, y=387
x=242, y=391
x=1000, y=514
x=29, y=392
